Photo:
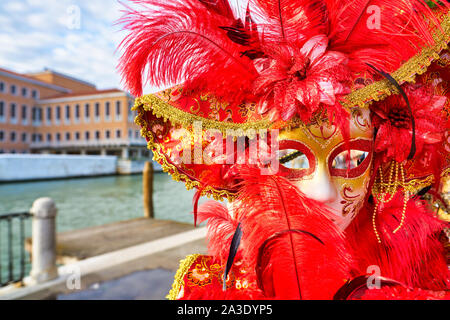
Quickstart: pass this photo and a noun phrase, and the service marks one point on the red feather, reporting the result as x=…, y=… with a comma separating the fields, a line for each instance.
x=404, y=28
x=221, y=225
x=289, y=20
x=280, y=221
x=179, y=41
x=221, y=7
x=413, y=255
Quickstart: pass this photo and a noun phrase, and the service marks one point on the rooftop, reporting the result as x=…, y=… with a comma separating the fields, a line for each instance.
x=85, y=93
x=50, y=71
x=32, y=80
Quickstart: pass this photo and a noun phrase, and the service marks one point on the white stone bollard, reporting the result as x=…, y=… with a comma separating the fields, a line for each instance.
x=43, y=253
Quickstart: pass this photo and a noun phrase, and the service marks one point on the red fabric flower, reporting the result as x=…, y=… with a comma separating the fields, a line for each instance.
x=297, y=80
x=393, y=121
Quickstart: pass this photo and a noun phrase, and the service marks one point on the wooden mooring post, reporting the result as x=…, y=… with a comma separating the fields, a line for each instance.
x=147, y=189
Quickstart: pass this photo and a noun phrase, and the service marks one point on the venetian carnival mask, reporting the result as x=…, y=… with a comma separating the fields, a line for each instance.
x=335, y=97
x=317, y=160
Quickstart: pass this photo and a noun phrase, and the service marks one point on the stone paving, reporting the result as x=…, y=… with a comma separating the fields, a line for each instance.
x=149, y=277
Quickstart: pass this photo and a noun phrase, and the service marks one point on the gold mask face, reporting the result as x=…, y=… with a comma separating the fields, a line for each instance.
x=317, y=160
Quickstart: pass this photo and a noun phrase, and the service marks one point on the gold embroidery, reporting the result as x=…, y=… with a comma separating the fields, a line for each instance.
x=162, y=109
x=406, y=73
x=185, y=264
x=158, y=155
x=203, y=274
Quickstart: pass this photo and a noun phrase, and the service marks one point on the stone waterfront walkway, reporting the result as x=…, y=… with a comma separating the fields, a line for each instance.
x=89, y=242
x=111, y=252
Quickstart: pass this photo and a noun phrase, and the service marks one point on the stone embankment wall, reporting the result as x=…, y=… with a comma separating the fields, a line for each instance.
x=18, y=167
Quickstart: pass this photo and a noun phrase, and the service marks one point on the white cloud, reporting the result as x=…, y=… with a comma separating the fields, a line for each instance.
x=40, y=34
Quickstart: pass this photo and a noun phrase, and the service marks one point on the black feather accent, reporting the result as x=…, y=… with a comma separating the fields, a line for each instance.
x=221, y=7
x=423, y=191
x=233, y=250
x=412, y=151
x=237, y=33
x=352, y=287
x=245, y=34
x=253, y=54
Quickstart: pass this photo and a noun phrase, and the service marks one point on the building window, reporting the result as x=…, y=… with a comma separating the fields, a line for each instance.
x=107, y=134
x=35, y=137
x=67, y=136
x=87, y=135
x=58, y=136
x=39, y=110
x=77, y=135
x=97, y=135
x=13, y=136
x=118, y=134
x=13, y=110
x=136, y=134
x=49, y=137
x=118, y=108
x=2, y=135
x=86, y=111
x=107, y=109
x=2, y=86
x=2, y=109
x=67, y=113
x=35, y=94
x=24, y=137
x=37, y=114
x=49, y=114
x=13, y=89
x=34, y=114
x=24, y=91
x=77, y=111
x=58, y=113
x=24, y=113
x=97, y=110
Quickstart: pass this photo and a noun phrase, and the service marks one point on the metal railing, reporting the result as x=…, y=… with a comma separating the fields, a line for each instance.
x=12, y=238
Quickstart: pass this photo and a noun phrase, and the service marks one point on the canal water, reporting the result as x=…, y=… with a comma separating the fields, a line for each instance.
x=90, y=202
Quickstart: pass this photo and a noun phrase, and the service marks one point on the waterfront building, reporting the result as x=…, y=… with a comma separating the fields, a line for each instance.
x=53, y=113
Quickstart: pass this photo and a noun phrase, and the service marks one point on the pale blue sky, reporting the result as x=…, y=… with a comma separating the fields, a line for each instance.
x=38, y=34
x=47, y=33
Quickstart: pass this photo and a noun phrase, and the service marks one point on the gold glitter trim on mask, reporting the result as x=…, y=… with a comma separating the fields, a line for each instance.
x=185, y=264
x=417, y=65
x=414, y=185
x=172, y=170
x=163, y=109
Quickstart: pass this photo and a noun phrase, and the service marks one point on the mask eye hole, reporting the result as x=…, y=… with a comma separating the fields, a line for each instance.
x=293, y=159
x=349, y=159
x=351, y=162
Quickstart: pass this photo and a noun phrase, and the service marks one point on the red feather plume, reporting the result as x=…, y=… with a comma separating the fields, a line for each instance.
x=221, y=225
x=181, y=41
x=298, y=251
x=413, y=255
x=383, y=33
x=289, y=21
